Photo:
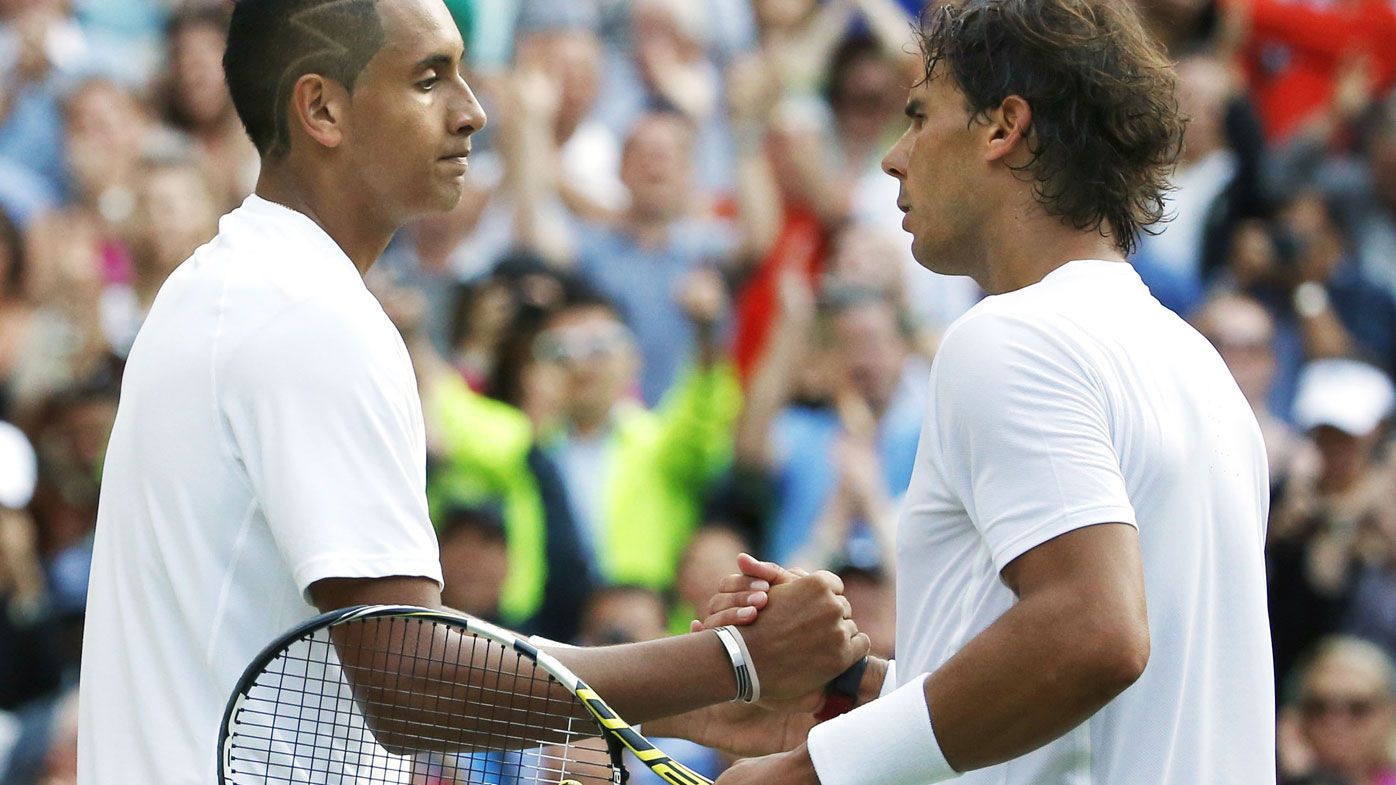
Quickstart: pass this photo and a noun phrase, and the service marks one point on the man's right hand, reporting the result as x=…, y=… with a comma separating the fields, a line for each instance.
x=804, y=635
x=741, y=595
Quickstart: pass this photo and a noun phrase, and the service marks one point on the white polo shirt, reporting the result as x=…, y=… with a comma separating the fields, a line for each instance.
x=1081, y=400
x=269, y=435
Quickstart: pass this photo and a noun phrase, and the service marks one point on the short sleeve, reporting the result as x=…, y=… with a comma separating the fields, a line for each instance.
x=322, y=413
x=1025, y=434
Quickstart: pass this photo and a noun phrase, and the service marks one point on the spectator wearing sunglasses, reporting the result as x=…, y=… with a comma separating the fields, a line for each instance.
x=636, y=477
x=1340, y=721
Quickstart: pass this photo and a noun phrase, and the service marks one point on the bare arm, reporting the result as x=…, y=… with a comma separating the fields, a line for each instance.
x=1078, y=636
x=641, y=681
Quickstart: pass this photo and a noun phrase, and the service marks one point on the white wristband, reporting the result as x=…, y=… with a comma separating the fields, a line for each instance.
x=888, y=741
x=743, y=669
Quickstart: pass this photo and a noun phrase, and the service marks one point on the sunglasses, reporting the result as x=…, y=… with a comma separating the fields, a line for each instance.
x=1317, y=706
x=575, y=345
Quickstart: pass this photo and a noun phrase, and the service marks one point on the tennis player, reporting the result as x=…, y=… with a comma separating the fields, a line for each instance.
x=268, y=455
x=1080, y=587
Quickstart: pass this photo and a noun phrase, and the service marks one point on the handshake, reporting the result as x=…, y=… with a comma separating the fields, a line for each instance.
x=797, y=628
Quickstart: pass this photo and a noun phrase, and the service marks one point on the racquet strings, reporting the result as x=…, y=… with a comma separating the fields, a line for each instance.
x=507, y=722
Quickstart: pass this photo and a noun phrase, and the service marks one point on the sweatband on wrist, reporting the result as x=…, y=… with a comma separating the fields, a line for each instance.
x=888, y=741
x=743, y=669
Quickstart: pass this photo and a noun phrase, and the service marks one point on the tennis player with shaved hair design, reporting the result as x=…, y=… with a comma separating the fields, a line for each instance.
x=268, y=456
x=1080, y=582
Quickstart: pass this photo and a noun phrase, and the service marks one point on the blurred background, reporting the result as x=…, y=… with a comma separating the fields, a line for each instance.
x=675, y=318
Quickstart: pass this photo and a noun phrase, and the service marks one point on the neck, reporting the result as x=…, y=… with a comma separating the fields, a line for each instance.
x=648, y=229
x=590, y=425
x=1023, y=244
x=344, y=211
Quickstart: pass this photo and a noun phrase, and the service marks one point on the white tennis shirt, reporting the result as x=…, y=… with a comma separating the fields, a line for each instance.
x=269, y=435
x=1081, y=400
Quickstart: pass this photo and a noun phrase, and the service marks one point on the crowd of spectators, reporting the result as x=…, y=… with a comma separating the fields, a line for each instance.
x=674, y=317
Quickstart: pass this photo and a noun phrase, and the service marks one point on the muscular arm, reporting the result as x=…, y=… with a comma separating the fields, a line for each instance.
x=641, y=681
x=1077, y=637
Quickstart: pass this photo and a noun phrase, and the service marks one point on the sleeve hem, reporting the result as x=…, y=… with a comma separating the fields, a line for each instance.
x=1005, y=553
x=350, y=565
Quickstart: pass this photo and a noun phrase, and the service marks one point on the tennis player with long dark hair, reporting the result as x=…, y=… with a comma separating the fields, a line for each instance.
x=268, y=455
x=1080, y=581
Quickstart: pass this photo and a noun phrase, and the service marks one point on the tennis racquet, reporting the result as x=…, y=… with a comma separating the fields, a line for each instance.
x=325, y=704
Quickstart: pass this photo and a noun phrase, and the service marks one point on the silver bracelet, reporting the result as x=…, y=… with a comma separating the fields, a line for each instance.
x=748, y=686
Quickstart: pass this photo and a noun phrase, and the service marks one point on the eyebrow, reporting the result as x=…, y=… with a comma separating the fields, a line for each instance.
x=438, y=60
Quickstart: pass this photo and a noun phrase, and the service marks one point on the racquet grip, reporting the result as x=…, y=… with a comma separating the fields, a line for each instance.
x=841, y=694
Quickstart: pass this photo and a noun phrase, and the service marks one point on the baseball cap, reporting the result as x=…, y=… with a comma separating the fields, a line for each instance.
x=19, y=469
x=1349, y=395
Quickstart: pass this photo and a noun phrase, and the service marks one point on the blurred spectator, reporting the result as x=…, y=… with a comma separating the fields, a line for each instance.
x=706, y=561
x=42, y=52
x=873, y=599
x=175, y=212
x=1295, y=51
x=1361, y=187
x=64, y=342
x=1303, y=270
x=474, y=560
x=30, y=665
x=1244, y=334
x=482, y=456
x=16, y=310
x=557, y=164
x=1339, y=721
x=1218, y=182
x=1331, y=543
x=197, y=102
x=105, y=128
x=637, y=477
x=645, y=259
x=838, y=467
x=622, y=614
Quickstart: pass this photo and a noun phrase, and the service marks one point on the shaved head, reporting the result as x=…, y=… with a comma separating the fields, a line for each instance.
x=273, y=43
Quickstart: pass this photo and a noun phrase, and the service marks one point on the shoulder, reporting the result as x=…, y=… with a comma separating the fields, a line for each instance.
x=330, y=337
x=1009, y=329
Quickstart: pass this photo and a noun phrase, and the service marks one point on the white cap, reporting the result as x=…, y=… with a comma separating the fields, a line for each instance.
x=1349, y=395
x=18, y=468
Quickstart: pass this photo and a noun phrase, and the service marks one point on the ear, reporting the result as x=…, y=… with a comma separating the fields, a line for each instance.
x=1009, y=126
x=318, y=109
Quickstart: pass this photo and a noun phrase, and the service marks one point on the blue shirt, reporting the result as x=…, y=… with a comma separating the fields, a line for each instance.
x=806, y=472
x=644, y=282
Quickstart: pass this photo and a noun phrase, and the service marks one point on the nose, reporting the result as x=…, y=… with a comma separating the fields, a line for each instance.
x=896, y=160
x=467, y=115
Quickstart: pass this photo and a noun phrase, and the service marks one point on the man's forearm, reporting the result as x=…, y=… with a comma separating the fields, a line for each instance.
x=1034, y=674
x=659, y=678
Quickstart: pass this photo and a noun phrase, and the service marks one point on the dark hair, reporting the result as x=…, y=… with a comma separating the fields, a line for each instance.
x=194, y=15
x=484, y=518
x=13, y=243
x=586, y=298
x=273, y=43
x=191, y=16
x=852, y=50
x=1105, y=128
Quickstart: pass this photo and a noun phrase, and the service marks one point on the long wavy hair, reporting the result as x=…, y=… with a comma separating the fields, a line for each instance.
x=1105, y=130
